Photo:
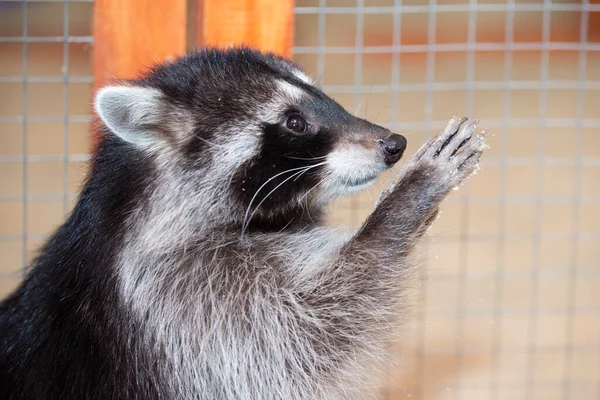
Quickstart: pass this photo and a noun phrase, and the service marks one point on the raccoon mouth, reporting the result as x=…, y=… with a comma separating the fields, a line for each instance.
x=362, y=181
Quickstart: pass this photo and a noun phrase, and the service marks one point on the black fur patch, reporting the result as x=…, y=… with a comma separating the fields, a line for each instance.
x=64, y=332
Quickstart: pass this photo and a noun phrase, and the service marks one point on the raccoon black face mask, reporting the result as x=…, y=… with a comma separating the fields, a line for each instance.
x=195, y=264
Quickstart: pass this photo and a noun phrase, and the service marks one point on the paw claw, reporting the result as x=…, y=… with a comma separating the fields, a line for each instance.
x=460, y=139
x=454, y=154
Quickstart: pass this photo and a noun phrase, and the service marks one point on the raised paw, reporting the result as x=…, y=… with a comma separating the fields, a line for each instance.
x=452, y=156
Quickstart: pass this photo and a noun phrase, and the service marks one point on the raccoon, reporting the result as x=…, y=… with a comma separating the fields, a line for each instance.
x=196, y=263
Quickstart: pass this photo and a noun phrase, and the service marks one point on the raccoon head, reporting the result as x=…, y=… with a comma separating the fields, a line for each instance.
x=252, y=129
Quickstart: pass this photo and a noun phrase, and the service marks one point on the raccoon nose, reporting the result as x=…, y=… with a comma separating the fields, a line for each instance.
x=393, y=147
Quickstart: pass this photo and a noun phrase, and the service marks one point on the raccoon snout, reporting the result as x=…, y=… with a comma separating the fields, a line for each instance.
x=392, y=147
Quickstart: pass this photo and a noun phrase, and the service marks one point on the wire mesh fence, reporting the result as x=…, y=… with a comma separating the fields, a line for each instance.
x=45, y=80
x=507, y=303
x=506, y=306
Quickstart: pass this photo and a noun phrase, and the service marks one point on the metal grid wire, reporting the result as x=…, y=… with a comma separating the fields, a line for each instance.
x=535, y=333
x=508, y=305
x=45, y=79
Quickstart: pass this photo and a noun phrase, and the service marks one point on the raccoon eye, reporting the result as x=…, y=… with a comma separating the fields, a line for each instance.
x=296, y=123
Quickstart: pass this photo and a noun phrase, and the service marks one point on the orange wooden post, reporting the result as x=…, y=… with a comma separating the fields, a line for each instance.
x=263, y=24
x=130, y=35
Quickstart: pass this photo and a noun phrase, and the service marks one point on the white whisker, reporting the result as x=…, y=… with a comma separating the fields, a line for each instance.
x=246, y=219
x=307, y=159
x=310, y=190
x=298, y=176
x=271, y=192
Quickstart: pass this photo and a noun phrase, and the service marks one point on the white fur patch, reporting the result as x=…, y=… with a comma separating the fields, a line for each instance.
x=292, y=92
x=350, y=169
x=303, y=77
x=352, y=163
x=240, y=148
x=285, y=95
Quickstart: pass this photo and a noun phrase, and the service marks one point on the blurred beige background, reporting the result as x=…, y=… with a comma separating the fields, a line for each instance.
x=507, y=305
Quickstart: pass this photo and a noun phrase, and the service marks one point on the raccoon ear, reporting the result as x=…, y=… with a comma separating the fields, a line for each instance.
x=132, y=113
